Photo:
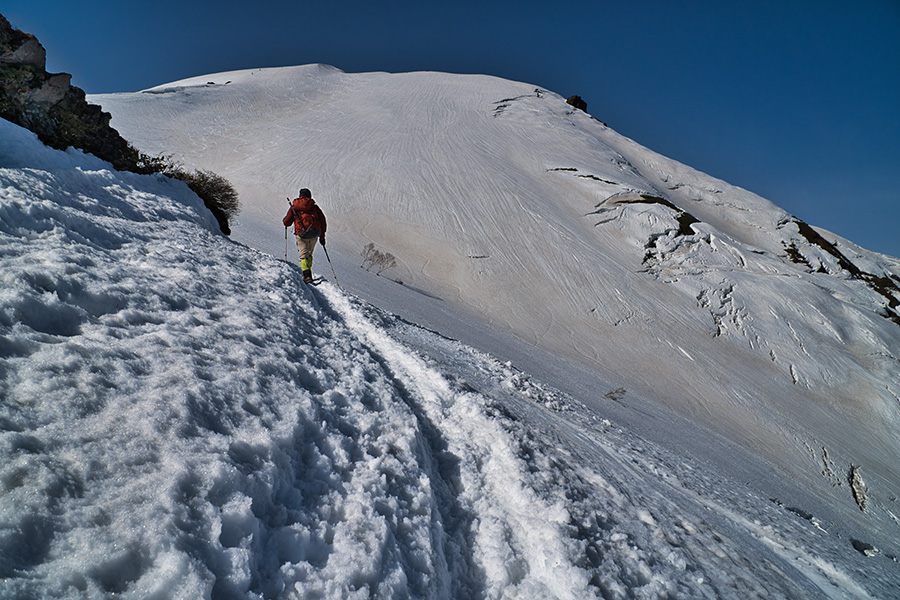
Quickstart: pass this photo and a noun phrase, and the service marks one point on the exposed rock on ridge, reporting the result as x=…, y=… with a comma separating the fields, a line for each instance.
x=577, y=102
x=59, y=114
x=47, y=103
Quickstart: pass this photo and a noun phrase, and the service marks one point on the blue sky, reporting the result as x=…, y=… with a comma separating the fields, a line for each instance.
x=798, y=101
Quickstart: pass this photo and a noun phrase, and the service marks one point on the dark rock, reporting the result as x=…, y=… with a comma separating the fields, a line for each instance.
x=47, y=103
x=577, y=102
x=19, y=48
x=58, y=112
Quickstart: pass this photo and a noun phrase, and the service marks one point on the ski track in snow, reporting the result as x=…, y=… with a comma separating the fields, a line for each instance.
x=517, y=537
x=645, y=523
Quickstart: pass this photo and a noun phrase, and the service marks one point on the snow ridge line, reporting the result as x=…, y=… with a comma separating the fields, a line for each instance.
x=518, y=537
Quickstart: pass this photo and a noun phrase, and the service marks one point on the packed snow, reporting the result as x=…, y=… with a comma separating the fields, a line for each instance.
x=182, y=417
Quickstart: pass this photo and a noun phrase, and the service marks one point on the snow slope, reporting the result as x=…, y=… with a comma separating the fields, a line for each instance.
x=594, y=262
x=182, y=418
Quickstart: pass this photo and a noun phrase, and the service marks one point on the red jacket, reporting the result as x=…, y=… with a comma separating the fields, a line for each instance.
x=308, y=219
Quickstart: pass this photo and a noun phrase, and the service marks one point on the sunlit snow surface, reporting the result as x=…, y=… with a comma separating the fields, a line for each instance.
x=530, y=230
x=182, y=418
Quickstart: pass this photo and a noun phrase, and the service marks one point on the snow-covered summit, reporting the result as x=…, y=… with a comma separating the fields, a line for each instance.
x=584, y=251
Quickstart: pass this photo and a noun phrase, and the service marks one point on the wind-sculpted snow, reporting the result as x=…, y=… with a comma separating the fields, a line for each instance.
x=182, y=418
x=509, y=208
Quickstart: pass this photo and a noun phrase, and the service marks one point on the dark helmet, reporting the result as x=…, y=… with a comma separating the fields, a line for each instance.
x=305, y=193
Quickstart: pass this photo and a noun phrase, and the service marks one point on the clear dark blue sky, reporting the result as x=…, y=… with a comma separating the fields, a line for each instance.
x=796, y=100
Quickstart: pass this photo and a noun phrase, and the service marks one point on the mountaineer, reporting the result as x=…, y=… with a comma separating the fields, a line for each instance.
x=309, y=225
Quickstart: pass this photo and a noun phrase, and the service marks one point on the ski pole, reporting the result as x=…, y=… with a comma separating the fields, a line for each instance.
x=332, y=266
x=285, y=236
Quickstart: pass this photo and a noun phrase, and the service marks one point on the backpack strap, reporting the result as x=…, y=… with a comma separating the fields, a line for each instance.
x=297, y=219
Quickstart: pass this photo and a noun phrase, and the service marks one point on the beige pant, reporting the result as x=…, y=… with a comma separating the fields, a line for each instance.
x=306, y=247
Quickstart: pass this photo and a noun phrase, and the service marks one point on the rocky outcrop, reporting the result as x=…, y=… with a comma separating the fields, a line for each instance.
x=47, y=103
x=577, y=102
x=19, y=47
x=58, y=112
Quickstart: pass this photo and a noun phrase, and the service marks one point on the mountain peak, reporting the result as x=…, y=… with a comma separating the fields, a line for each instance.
x=532, y=217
